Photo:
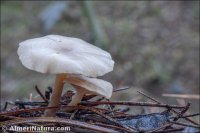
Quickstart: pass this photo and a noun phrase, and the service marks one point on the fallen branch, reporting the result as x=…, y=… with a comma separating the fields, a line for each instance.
x=184, y=124
x=153, y=99
x=132, y=104
x=187, y=96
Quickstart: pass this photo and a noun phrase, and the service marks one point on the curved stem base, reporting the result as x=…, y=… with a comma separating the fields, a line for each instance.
x=75, y=99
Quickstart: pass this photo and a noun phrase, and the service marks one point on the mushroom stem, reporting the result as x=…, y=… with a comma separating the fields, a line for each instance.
x=76, y=98
x=55, y=97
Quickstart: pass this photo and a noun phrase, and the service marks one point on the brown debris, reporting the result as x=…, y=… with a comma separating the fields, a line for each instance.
x=90, y=117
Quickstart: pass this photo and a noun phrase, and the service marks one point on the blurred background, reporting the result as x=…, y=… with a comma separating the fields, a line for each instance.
x=155, y=44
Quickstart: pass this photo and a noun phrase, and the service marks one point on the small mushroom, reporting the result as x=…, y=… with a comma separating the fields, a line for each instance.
x=63, y=56
x=86, y=85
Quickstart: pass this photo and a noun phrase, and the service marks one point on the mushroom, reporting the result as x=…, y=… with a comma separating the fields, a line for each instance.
x=86, y=85
x=55, y=54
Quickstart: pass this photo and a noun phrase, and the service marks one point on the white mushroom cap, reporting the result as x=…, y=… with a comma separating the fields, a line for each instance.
x=91, y=85
x=58, y=54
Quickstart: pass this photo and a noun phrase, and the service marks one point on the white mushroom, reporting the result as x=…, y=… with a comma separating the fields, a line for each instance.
x=61, y=55
x=85, y=85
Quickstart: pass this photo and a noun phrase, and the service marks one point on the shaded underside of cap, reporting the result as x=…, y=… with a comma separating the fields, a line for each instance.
x=92, y=85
